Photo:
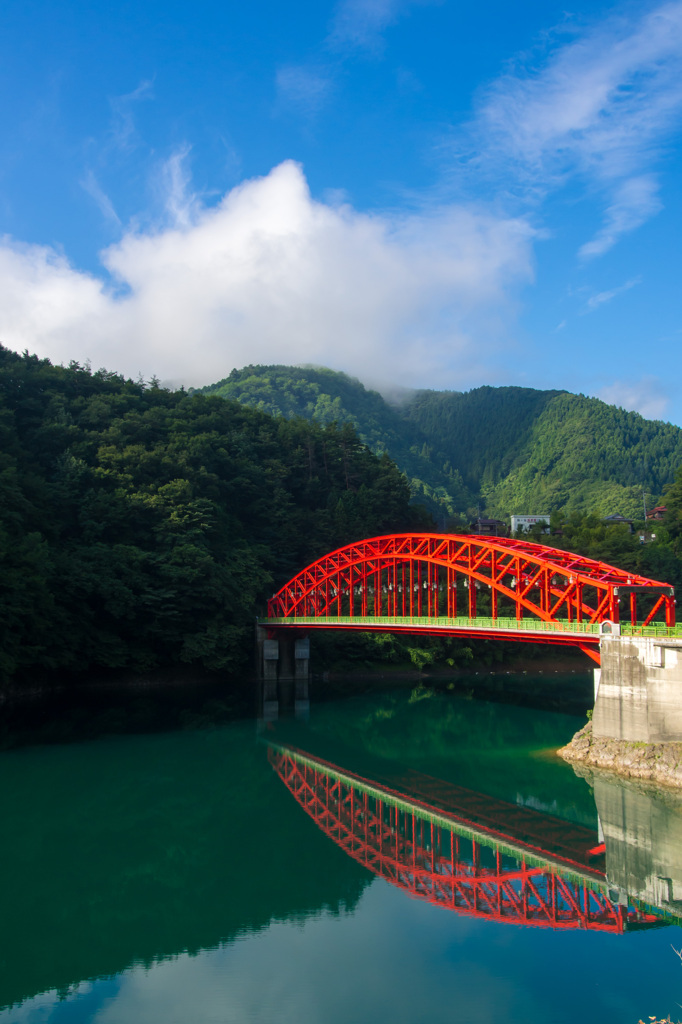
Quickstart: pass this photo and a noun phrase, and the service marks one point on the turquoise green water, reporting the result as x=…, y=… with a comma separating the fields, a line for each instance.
x=172, y=877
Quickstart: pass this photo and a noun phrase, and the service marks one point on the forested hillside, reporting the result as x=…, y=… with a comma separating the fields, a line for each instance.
x=327, y=396
x=542, y=451
x=141, y=527
x=501, y=450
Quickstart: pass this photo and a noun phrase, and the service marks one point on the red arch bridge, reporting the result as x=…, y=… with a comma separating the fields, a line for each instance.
x=488, y=587
x=479, y=856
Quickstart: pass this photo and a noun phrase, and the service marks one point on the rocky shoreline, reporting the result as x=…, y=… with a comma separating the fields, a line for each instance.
x=660, y=763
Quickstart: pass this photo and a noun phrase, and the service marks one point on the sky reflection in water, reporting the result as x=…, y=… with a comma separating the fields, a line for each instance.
x=374, y=956
x=392, y=959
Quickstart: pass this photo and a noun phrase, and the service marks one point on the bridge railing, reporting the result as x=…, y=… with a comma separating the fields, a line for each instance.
x=502, y=625
x=442, y=622
x=657, y=631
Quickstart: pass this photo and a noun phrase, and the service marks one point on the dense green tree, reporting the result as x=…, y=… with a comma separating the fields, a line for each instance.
x=502, y=450
x=326, y=396
x=141, y=527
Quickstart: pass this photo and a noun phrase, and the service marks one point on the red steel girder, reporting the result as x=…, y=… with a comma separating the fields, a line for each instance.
x=586, y=589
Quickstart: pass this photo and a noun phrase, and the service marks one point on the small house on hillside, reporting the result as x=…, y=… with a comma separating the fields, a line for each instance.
x=489, y=527
x=656, y=513
x=617, y=520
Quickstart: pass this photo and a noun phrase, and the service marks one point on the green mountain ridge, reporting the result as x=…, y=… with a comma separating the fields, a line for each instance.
x=500, y=450
x=327, y=396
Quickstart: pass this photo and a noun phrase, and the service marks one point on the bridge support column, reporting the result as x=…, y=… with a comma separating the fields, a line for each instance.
x=294, y=672
x=302, y=667
x=639, y=698
x=270, y=661
x=283, y=670
x=286, y=671
x=267, y=653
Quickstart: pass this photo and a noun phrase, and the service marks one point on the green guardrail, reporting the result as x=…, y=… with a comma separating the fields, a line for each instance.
x=562, y=626
x=626, y=629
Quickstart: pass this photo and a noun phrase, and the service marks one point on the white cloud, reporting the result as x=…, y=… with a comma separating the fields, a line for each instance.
x=360, y=23
x=595, y=301
x=598, y=107
x=599, y=103
x=181, y=204
x=91, y=185
x=122, y=129
x=47, y=306
x=270, y=275
x=356, y=25
x=119, y=140
x=635, y=202
x=303, y=87
x=645, y=396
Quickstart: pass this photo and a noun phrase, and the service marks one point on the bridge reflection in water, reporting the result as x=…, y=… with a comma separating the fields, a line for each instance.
x=463, y=850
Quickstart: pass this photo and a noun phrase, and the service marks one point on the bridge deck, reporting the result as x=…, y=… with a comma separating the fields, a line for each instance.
x=532, y=630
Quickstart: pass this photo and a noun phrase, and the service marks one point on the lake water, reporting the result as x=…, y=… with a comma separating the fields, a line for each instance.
x=403, y=856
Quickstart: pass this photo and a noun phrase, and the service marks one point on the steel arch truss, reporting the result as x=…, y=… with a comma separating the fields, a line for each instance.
x=436, y=864
x=442, y=575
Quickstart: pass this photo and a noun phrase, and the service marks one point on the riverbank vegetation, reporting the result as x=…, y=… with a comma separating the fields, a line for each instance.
x=142, y=527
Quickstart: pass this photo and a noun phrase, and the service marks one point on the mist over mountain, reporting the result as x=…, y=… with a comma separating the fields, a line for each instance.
x=500, y=450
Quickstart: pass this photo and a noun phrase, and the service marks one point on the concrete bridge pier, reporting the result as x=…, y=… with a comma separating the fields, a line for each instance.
x=302, y=667
x=638, y=690
x=286, y=670
x=283, y=669
x=294, y=673
x=302, y=677
x=267, y=653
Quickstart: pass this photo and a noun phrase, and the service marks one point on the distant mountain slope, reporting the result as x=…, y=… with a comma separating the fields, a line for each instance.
x=528, y=450
x=482, y=431
x=326, y=395
x=505, y=449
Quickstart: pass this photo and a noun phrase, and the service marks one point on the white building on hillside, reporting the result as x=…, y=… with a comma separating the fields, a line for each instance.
x=525, y=522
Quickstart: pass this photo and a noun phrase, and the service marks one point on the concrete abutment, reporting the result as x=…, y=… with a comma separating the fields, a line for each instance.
x=636, y=727
x=638, y=690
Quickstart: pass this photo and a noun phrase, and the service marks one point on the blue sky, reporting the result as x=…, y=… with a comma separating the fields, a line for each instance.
x=420, y=193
